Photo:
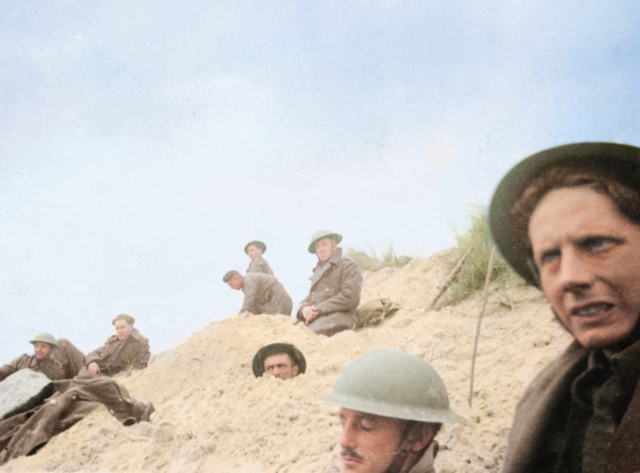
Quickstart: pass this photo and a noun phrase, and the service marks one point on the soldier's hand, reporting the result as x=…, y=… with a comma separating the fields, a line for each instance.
x=93, y=367
x=310, y=313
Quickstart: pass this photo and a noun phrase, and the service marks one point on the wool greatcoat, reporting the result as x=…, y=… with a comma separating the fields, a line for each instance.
x=264, y=294
x=118, y=355
x=335, y=291
x=69, y=356
x=24, y=433
x=548, y=399
x=49, y=366
x=260, y=265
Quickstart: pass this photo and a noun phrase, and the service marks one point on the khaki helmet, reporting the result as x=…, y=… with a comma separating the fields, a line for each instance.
x=321, y=234
x=257, y=244
x=618, y=161
x=393, y=383
x=45, y=338
x=275, y=349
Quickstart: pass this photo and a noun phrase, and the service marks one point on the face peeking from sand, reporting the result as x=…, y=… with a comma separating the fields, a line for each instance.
x=281, y=366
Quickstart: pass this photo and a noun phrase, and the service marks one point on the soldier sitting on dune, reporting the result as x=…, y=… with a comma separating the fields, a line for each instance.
x=22, y=434
x=56, y=359
x=255, y=250
x=336, y=285
x=263, y=293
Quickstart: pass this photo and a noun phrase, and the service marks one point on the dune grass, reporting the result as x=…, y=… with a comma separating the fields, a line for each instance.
x=472, y=277
x=372, y=262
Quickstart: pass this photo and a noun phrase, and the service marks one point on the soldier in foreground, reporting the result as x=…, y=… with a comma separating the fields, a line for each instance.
x=392, y=405
x=336, y=285
x=567, y=219
x=282, y=360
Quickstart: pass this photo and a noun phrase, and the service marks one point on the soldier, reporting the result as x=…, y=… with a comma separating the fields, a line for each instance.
x=41, y=361
x=281, y=360
x=392, y=405
x=263, y=293
x=336, y=285
x=126, y=350
x=255, y=249
x=567, y=219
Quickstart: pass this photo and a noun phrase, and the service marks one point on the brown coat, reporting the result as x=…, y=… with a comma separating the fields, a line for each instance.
x=335, y=290
x=116, y=355
x=264, y=294
x=70, y=357
x=259, y=265
x=50, y=367
x=537, y=411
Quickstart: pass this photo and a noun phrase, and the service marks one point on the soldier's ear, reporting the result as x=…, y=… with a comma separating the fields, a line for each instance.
x=296, y=369
x=418, y=438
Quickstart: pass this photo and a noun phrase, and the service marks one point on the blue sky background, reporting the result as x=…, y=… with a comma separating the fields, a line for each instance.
x=142, y=144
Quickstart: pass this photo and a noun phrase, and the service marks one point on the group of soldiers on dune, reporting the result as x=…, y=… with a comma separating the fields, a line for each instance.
x=336, y=285
x=567, y=220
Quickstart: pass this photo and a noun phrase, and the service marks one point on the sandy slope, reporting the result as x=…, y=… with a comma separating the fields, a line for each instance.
x=213, y=415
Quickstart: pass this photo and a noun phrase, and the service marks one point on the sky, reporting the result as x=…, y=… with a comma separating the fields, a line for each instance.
x=143, y=144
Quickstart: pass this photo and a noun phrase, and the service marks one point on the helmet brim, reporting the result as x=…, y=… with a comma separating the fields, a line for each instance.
x=622, y=162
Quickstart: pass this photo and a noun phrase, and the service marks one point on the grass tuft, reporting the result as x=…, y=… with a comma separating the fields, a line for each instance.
x=372, y=262
x=472, y=276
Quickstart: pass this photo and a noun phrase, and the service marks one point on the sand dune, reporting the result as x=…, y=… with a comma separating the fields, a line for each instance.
x=213, y=415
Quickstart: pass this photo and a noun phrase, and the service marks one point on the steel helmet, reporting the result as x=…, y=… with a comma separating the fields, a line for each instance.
x=621, y=162
x=275, y=349
x=46, y=338
x=321, y=234
x=257, y=244
x=392, y=383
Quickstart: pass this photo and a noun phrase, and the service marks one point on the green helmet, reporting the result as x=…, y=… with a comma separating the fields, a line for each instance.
x=321, y=234
x=393, y=383
x=275, y=349
x=46, y=338
x=257, y=244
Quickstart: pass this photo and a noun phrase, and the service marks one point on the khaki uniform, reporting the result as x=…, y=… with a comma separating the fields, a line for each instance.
x=50, y=367
x=259, y=265
x=335, y=290
x=118, y=355
x=23, y=433
x=264, y=294
x=542, y=414
x=70, y=357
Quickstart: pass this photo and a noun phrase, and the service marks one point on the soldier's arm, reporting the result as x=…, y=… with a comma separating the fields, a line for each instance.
x=348, y=296
x=13, y=366
x=95, y=356
x=253, y=288
x=143, y=353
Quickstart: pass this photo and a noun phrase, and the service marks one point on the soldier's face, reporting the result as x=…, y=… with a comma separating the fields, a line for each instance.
x=588, y=255
x=41, y=350
x=236, y=282
x=253, y=251
x=325, y=248
x=281, y=366
x=368, y=443
x=123, y=329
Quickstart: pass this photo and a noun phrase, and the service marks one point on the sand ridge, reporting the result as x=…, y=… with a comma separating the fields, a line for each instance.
x=213, y=415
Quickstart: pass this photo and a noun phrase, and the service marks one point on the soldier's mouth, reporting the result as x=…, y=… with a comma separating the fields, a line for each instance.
x=592, y=309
